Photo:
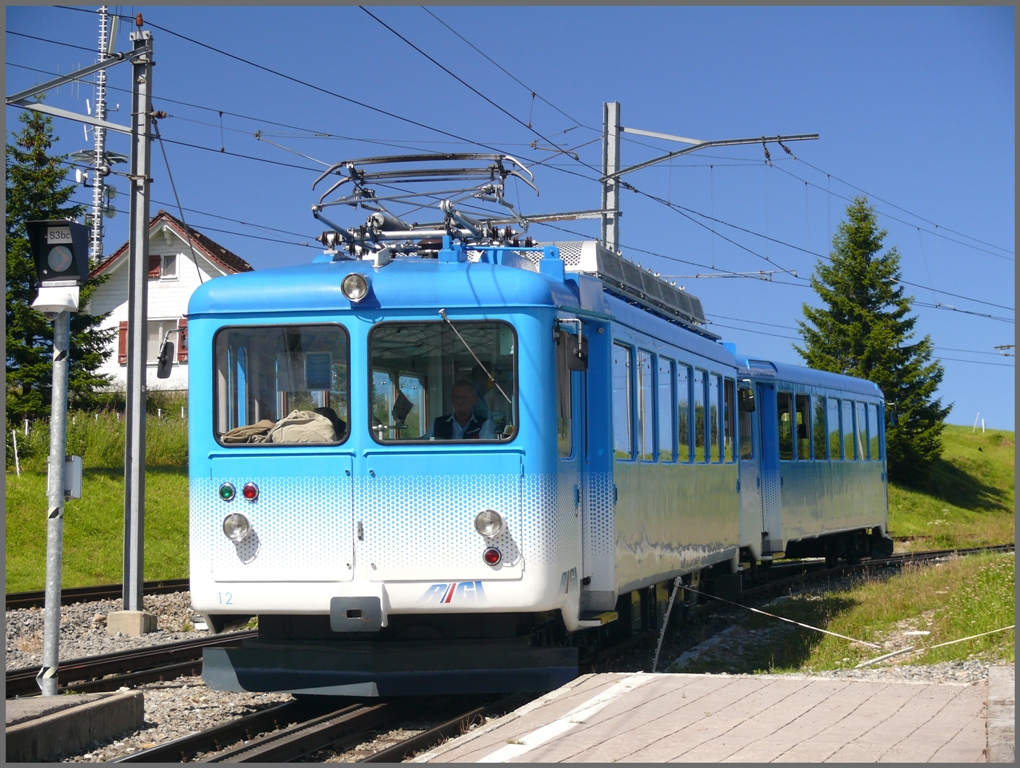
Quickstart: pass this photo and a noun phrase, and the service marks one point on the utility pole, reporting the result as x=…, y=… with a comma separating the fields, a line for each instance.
x=611, y=172
x=610, y=167
x=132, y=619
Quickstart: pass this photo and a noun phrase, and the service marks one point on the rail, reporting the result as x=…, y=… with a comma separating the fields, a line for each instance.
x=110, y=671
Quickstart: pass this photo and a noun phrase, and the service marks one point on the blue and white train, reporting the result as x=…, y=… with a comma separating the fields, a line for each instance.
x=448, y=463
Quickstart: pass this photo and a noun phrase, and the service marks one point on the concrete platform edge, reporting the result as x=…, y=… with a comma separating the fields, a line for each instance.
x=72, y=730
x=1001, y=722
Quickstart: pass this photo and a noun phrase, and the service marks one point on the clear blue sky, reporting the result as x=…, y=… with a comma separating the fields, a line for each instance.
x=914, y=106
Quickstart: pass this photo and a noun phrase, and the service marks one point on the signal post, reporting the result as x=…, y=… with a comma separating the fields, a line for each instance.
x=60, y=250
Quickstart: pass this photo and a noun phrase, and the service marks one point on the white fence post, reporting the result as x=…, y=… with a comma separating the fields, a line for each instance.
x=17, y=466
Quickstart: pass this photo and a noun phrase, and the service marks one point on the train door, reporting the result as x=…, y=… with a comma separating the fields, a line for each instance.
x=771, y=479
x=572, y=384
x=750, y=471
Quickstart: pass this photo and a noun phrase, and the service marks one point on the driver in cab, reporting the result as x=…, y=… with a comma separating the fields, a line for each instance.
x=463, y=423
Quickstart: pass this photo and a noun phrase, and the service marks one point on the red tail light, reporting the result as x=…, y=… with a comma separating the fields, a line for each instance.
x=492, y=556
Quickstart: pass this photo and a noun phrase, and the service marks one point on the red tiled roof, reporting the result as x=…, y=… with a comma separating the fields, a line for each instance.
x=213, y=251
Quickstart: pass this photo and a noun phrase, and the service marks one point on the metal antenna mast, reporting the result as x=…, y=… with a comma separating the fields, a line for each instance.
x=98, y=183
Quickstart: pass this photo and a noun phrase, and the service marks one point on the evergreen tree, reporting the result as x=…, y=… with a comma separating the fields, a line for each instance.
x=36, y=191
x=864, y=329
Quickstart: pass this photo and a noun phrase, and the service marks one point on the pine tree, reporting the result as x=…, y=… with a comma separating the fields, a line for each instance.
x=36, y=191
x=864, y=329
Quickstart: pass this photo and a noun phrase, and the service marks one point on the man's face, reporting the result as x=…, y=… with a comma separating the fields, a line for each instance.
x=464, y=399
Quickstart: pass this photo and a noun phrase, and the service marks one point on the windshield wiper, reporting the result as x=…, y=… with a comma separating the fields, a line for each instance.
x=442, y=314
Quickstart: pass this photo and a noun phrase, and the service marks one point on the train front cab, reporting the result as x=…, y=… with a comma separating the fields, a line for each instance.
x=363, y=562
x=812, y=465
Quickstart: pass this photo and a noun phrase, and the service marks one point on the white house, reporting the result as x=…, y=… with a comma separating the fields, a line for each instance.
x=177, y=266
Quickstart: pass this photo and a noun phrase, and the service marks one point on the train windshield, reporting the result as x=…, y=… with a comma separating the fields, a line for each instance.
x=435, y=381
x=281, y=384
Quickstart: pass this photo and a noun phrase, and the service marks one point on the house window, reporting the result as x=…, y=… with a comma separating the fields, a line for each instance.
x=163, y=267
x=156, y=331
x=169, y=267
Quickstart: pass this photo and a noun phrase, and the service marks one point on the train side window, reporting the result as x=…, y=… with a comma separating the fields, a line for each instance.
x=701, y=447
x=874, y=441
x=862, y=435
x=803, y=403
x=683, y=412
x=645, y=407
x=729, y=404
x=667, y=434
x=820, y=442
x=715, y=415
x=746, y=433
x=835, y=452
x=784, y=415
x=847, y=423
x=622, y=398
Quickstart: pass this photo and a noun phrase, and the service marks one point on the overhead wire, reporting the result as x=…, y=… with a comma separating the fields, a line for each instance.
x=628, y=186
x=88, y=203
x=470, y=87
x=312, y=133
x=916, y=216
x=578, y=123
x=901, y=221
x=320, y=89
x=828, y=175
x=413, y=122
x=824, y=256
x=51, y=41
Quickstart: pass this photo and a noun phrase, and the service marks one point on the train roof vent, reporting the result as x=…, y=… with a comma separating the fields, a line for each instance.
x=634, y=283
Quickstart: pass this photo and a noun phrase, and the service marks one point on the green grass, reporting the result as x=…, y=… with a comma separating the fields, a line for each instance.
x=94, y=528
x=951, y=600
x=968, y=500
x=99, y=439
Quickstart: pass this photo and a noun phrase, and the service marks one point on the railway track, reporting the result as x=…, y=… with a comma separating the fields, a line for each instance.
x=301, y=728
x=16, y=600
x=110, y=671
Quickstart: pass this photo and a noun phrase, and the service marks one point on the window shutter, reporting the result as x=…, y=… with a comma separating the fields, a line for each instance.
x=182, y=340
x=154, y=263
x=122, y=343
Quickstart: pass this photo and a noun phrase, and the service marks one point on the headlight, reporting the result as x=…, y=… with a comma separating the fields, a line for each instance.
x=354, y=287
x=236, y=527
x=489, y=523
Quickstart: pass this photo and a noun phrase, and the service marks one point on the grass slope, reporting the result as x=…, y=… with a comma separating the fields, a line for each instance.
x=950, y=601
x=93, y=551
x=969, y=498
